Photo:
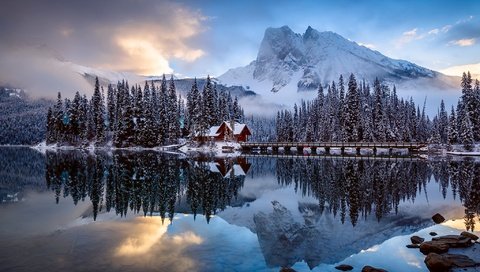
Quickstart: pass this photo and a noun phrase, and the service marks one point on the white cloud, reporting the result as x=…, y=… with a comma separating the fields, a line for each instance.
x=463, y=42
x=446, y=28
x=409, y=36
x=434, y=31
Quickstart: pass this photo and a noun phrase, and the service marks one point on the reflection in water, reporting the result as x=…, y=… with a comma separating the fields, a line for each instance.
x=152, y=231
x=156, y=182
x=147, y=181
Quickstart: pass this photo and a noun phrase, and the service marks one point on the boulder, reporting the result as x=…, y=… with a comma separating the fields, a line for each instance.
x=433, y=233
x=433, y=247
x=413, y=246
x=469, y=235
x=344, y=267
x=436, y=262
x=454, y=241
x=372, y=269
x=438, y=218
x=416, y=239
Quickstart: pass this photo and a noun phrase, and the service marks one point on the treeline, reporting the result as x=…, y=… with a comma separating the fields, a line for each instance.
x=22, y=119
x=354, y=114
x=462, y=126
x=360, y=114
x=356, y=189
x=132, y=116
x=146, y=182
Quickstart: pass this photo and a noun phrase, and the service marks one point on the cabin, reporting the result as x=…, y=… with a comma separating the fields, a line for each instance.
x=227, y=131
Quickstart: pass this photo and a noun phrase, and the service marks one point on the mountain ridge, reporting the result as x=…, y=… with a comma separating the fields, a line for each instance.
x=288, y=60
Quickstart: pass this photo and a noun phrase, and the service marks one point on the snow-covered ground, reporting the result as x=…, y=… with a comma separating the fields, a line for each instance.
x=227, y=149
x=43, y=147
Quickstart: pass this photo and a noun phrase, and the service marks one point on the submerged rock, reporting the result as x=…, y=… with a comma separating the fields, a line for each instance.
x=436, y=262
x=372, y=269
x=469, y=235
x=413, y=246
x=433, y=233
x=461, y=261
x=433, y=247
x=438, y=218
x=416, y=239
x=344, y=267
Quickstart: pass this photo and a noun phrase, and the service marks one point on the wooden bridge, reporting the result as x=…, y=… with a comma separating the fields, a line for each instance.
x=300, y=146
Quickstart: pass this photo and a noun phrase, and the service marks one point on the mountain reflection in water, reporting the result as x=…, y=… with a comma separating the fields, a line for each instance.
x=152, y=182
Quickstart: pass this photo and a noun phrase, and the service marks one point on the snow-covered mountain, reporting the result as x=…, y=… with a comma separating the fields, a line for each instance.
x=291, y=62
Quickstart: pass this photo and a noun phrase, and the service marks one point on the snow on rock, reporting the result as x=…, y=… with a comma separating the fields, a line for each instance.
x=288, y=62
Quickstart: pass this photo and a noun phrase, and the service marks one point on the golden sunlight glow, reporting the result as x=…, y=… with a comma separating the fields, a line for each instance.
x=143, y=55
x=474, y=69
x=148, y=236
x=147, y=233
x=148, y=47
x=459, y=224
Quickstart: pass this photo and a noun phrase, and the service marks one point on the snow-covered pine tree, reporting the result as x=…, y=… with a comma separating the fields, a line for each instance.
x=466, y=133
x=342, y=109
x=148, y=137
x=58, y=119
x=75, y=118
x=435, y=137
x=163, y=112
x=50, y=139
x=111, y=109
x=194, y=108
x=470, y=104
x=443, y=123
x=90, y=131
x=223, y=107
x=352, y=115
x=98, y=112
x=378, y=111
x=173, y=121
x=127, y=127
x=208, y=105
x=452, y=128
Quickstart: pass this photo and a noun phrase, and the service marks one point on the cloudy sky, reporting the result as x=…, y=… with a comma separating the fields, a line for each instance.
x=196, y=38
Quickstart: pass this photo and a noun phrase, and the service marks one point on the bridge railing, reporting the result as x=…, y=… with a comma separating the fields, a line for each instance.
x=414, y=145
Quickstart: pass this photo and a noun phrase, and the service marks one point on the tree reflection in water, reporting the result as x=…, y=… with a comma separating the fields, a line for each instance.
x=152, y=182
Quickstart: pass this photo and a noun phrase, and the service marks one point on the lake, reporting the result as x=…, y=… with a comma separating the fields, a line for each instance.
x=152, y=211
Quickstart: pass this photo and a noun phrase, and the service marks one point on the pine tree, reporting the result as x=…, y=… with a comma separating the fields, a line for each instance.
x=75, y=118
x=194, y=109
x=452, y=129
x=353, y=111
x=163, y=121
x=208, y=104
x=111, y=107
x=148, y=137
x=98, y=112
x=443, y=123
x=173, y=121
x=50, y=139
x=378, y=112
x=466, y=133
x=237, y=111
x=58, y=116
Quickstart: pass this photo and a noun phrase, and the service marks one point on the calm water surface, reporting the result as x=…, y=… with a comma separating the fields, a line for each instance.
x=150, y=211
